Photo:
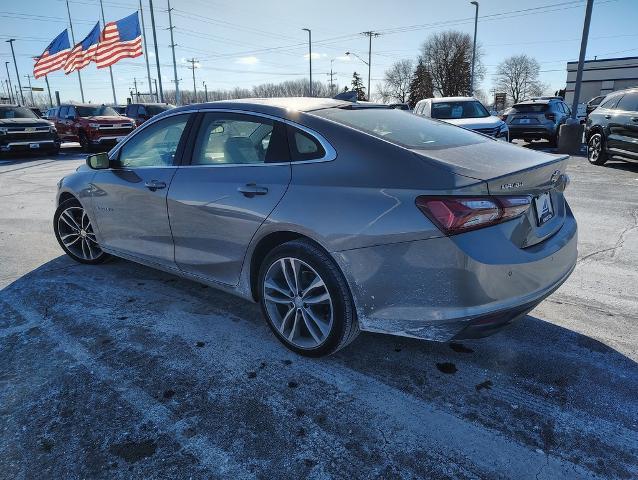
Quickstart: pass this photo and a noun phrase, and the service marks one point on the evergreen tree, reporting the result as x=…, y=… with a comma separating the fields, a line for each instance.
x=357, y=86
x=421, y=85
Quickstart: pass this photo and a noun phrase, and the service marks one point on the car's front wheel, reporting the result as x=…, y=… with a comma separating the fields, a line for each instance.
x=306, y=299
x=75, y=234
x=595, y=150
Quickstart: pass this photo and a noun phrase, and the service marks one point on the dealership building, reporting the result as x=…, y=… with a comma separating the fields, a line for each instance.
x=601, y=77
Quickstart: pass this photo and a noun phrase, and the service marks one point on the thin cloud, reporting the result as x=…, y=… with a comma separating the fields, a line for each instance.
x=316, y=55
x=247, y=60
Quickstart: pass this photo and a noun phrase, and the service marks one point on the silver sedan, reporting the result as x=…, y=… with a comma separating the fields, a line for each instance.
x=337, y=217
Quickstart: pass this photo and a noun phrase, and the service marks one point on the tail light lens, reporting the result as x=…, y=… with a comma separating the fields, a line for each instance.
x=550, y=116
x=461, y=214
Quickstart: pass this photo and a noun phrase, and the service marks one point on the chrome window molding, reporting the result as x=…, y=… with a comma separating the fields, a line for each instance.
x=330, y=152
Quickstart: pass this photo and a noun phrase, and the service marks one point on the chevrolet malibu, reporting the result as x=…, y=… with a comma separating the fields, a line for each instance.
x=336, y=217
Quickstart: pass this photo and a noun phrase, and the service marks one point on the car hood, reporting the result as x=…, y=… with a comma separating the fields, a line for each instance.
x=487, y=160
x=108, y=119
x=24, y=122
x=472, y=123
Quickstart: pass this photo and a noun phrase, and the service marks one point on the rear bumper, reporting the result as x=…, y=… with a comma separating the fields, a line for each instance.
x=465, y=286
x=531, y=131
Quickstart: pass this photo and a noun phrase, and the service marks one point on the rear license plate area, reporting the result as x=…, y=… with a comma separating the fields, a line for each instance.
x=544, y=208
x=34, y=145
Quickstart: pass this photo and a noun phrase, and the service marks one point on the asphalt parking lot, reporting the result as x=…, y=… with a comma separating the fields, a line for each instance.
x=120, y=371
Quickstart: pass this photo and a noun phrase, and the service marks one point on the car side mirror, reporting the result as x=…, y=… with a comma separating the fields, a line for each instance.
x=98, y=161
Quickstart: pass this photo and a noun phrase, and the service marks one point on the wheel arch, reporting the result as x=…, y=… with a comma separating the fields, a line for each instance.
x=265, y=245
x=64, y=196
x=595, y=129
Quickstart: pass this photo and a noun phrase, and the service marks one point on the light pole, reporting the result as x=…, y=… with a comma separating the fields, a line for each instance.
x=10, y=42
x=30, y=89
x=309, y=55
x=6, y=65
x=476, y=4
x=205, y=90
x=368, y=64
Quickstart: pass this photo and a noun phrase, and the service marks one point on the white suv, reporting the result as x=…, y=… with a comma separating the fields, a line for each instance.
x=466, y=112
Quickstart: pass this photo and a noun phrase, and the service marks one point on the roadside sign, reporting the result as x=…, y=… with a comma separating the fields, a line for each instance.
x=34, y=89
x=499, y=101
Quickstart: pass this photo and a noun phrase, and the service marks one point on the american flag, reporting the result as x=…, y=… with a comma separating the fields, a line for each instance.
x=84, y=52
x=121, y=39
x=53, y=57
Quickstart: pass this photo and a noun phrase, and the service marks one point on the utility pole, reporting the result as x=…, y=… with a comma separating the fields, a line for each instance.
x=137, y=94
x=10, y=42
x=205, y=91
x=581, y=58
x=192, y=61
x=157, y=60
x=30, y=89
x=6, y=65
x=110, y=69
x=309, y=57
x=156, y=94
x=370, y=34
x=148, y=67
x=173, y=45
x=46, y=79
x=332, y=85
x=476, y=4
x=68, y=11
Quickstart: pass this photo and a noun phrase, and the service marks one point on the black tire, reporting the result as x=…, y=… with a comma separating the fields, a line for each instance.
x=344, y=328
x=553, y=140
x=596, y=153
x=73, y=203
x=84, y=142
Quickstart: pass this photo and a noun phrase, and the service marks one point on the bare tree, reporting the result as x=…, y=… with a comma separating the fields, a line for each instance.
x=447, y=56
x=396, y=82
x=518, y=77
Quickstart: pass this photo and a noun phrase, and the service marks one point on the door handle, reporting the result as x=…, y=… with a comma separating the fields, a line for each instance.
x=155, y=185
x=251, y=189
x=607, y=117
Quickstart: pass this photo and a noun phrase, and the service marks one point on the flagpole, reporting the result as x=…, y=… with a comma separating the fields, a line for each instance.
x=110, y=69
x=68, y=10
x=157, y=61
x=148, y=67
x=46, y=79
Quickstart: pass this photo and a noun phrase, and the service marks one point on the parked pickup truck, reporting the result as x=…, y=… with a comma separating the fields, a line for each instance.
x=22, y=131
x=94, y=126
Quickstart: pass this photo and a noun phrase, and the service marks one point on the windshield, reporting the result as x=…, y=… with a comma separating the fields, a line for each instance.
x=155, y=109
x=401, y=127
x=16, y=112
x=460, y=109
x=98, y=110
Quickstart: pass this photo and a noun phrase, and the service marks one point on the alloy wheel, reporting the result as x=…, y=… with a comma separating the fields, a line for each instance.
x=298, y=302
x=77, y=235
x=595, y=147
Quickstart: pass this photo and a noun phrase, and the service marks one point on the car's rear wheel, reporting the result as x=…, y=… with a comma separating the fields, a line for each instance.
x=596, y=150
x=306, y=299
x=75, y=234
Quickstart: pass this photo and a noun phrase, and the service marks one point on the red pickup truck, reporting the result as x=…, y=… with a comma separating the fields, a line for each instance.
x=92, y=125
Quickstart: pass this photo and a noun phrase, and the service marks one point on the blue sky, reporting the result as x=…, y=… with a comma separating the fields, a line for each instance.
x=242, y=43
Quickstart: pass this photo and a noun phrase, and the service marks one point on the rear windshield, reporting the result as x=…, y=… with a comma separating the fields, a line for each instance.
x=461, y=109
x=401, y=127
x=99, y=110
x=155, y=109
x=530, y=108
x=16, y=112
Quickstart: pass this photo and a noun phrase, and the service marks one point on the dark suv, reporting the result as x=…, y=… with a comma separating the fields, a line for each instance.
x=22, y=131
x=140, y=112
x=537, y=119
x=612, y=129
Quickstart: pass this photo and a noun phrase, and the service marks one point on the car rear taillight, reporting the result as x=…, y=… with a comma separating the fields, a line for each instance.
x=461, y=214
x=550, y=116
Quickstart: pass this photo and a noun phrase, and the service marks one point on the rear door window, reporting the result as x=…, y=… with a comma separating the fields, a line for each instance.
x=611, y=102
x=629, y=102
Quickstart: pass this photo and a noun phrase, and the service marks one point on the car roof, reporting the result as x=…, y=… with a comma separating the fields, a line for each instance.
x=543, y=101
x=453, y=99
x=9, y=105
x=298, y=104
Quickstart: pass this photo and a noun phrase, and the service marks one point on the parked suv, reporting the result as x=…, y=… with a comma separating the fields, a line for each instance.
x=91, y=125
x=537, y=119
x=140, y=112
x=22, y=131
x=466, y=112
x=612, y=129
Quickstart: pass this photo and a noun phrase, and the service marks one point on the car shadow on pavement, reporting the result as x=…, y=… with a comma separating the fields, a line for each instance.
x=627, y=166
x=161, y=342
